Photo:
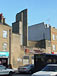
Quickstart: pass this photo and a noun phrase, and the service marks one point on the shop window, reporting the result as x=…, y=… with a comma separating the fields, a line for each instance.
x=32, y=59
x=53, y=37
x=25, y=60
x=4, y=34
x=4, y=46
x=25, y=57
x=54, y=47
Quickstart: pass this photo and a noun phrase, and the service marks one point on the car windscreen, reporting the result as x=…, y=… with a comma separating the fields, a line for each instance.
x=2, y=67
x=26, y=65
x=50, y=68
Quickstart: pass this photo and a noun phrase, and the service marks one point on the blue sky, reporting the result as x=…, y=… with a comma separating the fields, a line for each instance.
x=38, y=10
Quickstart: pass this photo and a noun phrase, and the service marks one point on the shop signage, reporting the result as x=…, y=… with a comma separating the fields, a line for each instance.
x=4, y=54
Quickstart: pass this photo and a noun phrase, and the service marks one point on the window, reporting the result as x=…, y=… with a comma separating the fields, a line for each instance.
x=4, y=46
x=53, y=37
x=4, y=34
x=25, y=60
x=54, y=47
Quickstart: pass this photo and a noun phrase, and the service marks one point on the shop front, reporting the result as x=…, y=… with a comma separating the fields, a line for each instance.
x=25, y=60
x=4, y=58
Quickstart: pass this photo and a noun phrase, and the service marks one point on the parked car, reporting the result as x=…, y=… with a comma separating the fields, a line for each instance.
x=5, y=71
x=49, y=70
x=26, y=69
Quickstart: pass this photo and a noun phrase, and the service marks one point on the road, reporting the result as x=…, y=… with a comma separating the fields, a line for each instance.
x=22, y=75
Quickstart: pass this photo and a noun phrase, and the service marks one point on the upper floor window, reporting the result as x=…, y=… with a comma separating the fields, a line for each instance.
x=4, y=46
x=4, y=34
x=54, y=47
x=53, y=37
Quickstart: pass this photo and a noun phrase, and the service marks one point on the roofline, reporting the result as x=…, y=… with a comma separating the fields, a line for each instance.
x=36, y=24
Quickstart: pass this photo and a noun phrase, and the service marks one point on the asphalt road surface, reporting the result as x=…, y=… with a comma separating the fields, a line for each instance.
x=22, y=75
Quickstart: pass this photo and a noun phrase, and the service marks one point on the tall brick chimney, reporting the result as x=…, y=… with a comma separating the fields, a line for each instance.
x=2, y=20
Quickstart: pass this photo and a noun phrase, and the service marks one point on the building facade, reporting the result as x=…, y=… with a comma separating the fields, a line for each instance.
x=54, y=40
x=19, y=40
x=39, y=32
x=19, y=43
x=45, y=34
x=5, y=39
x=30, y=40
x=21, y=27
x=17, y=52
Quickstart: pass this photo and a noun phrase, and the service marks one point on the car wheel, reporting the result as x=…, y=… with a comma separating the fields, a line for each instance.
x=10, y=73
